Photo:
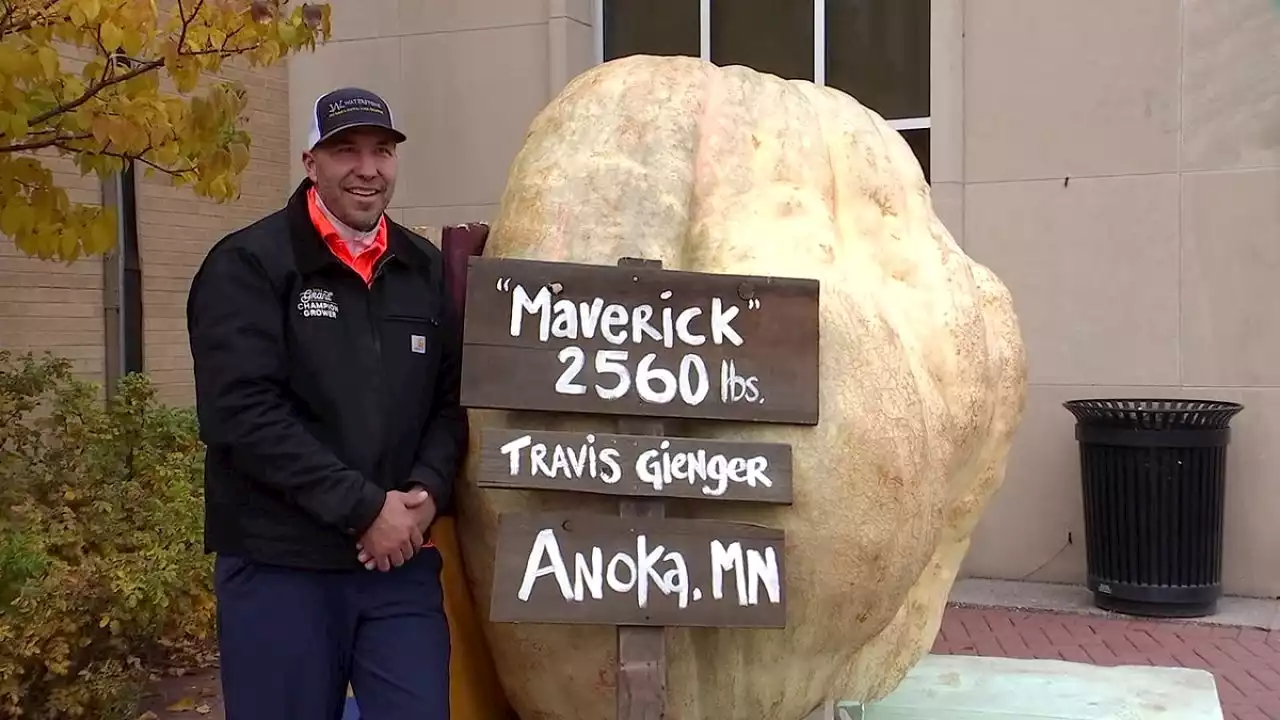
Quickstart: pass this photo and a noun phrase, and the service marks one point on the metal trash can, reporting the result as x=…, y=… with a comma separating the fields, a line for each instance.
x=1154, y=484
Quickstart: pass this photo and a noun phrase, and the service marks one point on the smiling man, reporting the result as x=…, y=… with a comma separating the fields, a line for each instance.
x=327, y=376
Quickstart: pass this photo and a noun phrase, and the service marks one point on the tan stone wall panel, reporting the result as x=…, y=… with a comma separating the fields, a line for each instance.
x=466, y=125
x=1057, y=89
x=1230, y=262
x=1159, y=275
x=1093, y=268
x=1230, y=84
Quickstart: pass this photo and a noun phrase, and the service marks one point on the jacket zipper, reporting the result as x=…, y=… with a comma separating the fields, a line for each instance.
x=375, y=328
x=373, y=324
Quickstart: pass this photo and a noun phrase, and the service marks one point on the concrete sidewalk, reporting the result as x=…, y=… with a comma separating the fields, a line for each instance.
x=1232, y=611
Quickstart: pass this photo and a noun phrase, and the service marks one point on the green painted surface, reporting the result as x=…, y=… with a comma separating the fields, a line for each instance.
x=961, y=687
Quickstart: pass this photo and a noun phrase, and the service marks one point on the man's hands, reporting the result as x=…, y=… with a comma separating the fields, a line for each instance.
x=397, y=533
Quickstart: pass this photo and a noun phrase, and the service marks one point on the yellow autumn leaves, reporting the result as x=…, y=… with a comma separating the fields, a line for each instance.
x=106, y=81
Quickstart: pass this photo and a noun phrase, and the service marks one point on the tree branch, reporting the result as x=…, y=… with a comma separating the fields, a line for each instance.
x=96, y=88
x=168, y=171
x=55, y=141
x=64, y=143
x=186, y=22
x=9, y=26
x=140, y=67
x=140, y=156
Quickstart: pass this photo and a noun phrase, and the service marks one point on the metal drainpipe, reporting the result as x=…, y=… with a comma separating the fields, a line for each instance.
x=122, y=281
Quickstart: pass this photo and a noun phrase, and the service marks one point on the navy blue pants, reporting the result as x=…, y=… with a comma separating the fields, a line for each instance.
x=290, y=641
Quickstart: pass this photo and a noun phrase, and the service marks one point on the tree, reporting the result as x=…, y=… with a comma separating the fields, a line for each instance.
x=113, y=109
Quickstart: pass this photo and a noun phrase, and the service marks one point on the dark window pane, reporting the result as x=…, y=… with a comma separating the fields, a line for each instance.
x=650, y=27
x=919, y=142
x=773, y=36
x=878, y=52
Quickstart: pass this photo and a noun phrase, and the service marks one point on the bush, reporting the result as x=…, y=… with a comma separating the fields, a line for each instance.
x=102, y=570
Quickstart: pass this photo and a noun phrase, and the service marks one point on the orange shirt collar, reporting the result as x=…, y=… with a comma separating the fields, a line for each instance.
x=362, y=262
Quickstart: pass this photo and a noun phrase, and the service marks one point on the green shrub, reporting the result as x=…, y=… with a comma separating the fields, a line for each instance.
x=102, y=570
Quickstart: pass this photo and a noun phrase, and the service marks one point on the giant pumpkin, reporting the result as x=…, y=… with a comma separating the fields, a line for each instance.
x=725, y=169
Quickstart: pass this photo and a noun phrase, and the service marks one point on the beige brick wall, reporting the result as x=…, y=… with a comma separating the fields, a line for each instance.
x=51, y=306
x=176, y=229
x=47, y=305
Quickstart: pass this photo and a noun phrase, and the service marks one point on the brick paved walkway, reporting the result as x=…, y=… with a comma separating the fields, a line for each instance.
x=1245, y=661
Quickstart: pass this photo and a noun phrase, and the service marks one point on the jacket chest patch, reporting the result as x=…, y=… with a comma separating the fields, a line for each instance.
x=418, y=344
x=317, y=302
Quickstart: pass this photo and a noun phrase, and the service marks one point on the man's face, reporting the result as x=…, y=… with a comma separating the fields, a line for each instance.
x=355, y=174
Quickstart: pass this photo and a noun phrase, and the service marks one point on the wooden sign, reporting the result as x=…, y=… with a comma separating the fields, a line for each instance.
x=640, y=341
x=645, y=345
x=586, y=568
x=635, y=465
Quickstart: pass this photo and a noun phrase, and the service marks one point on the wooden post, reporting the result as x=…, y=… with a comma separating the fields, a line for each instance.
x=642, y=651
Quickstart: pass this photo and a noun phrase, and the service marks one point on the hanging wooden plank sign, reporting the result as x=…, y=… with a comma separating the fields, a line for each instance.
x=635, y=465
x=643, y=341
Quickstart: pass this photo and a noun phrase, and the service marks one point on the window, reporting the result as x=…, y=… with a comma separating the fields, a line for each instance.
x=875, y=50
x=646, y=27
x=773, y=36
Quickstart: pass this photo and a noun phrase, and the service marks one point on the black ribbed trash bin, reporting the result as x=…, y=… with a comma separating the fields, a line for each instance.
x=1154, y=484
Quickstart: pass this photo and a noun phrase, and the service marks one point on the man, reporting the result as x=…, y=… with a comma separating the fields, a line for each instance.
x=327, y=377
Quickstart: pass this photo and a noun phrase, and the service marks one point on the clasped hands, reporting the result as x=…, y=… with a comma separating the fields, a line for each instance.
x=399, y=530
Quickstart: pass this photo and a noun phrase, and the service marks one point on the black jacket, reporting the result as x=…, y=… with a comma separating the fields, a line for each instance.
x=317, y=393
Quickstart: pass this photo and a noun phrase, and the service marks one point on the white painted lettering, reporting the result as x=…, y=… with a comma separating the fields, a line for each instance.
x=616, y=583
x=724, y=560
x=644, y=572
x=763, y=569
x=658, y=467
x=612, y=326
x=618, y=324
x=687, y=336
x=644, y=376
x=590, y=317
x=539, y=304
x=721, y=329
x=512, y=451
x=734, y=388
x=651, y=571
x=642, y=328
x=545, y=544
x=591, y=576
x=566, y=462
x=564, y=323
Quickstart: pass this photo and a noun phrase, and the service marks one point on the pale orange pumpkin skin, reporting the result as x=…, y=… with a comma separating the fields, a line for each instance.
x=923, y=375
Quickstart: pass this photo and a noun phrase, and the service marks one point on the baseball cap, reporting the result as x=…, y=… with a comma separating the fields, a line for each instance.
x=347, y=108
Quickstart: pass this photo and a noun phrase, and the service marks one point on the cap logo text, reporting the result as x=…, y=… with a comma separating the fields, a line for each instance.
x=337, y=107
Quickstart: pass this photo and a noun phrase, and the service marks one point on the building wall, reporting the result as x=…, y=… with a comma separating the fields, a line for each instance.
x=47, y=305
x=1119, y=168
x=1115, y=163
x=176, y=228
x=51, y=306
